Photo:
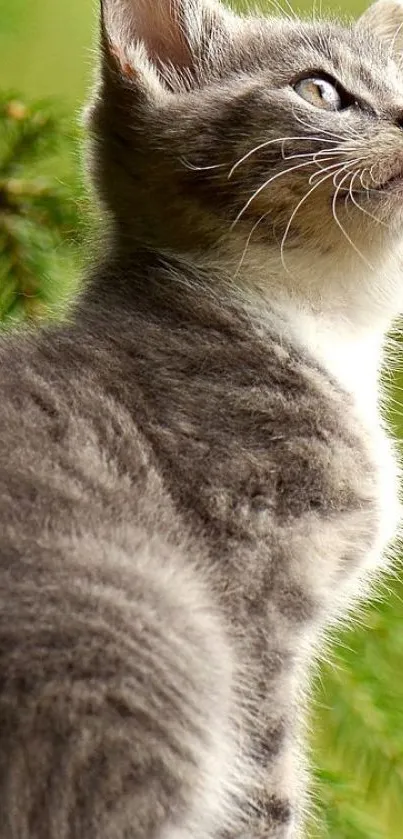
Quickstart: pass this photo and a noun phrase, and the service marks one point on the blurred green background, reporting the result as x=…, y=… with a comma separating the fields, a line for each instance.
x=47, y=50
x=46, y=47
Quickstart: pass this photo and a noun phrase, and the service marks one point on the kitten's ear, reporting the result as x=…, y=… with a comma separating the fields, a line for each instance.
x=385, y=19
x=145, y=38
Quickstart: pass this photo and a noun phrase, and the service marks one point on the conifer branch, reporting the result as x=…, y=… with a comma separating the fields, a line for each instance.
x=38, y=218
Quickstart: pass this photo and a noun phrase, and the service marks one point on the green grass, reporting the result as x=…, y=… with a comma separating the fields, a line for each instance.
x=357, y=721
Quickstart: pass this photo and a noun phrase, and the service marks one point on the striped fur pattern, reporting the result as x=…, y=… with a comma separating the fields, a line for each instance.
x=194, y=478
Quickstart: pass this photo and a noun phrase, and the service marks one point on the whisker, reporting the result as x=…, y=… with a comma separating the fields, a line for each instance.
x=195, y=168
x=366, y=189
x=395, y=37
x=371, y=171
x=333, y=151
x=333, y=166
x=248, y=241
x=345, y=169
x=265, y=185
x=269, y=143
x=331, y=134
x=362, y=176
x=339, y=224
x=323, y=169
x=294, y=213
x=356, y=204
x=354, y=134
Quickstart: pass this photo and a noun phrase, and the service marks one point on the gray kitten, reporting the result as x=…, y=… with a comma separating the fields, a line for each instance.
x=194, y=479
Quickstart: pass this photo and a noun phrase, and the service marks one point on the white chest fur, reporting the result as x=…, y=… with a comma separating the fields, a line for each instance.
x=354, y=360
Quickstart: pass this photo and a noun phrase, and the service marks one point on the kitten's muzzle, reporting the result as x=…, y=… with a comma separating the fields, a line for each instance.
x=389, y=180
x=393, y=184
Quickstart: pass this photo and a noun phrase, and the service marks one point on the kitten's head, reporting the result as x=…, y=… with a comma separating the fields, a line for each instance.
x=253, y=142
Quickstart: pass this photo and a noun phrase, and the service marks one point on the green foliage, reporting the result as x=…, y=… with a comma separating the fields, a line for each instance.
x=357, y=727
x=38, y=218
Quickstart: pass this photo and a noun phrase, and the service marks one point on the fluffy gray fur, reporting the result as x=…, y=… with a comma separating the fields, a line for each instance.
x=192, y=484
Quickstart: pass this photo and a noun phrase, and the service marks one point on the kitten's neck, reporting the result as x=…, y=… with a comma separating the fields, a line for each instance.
x=351, y=354
x=337, y=310
x=350, y=351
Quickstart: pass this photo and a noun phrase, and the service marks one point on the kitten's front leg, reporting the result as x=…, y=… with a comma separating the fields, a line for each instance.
x=273, y=805
x=281, y=617
x=270, y=773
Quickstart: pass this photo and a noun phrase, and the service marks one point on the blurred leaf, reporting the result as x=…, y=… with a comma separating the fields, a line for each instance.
x=39, y=221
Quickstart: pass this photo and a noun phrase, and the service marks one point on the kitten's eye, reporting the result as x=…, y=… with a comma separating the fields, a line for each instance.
x=320, y=92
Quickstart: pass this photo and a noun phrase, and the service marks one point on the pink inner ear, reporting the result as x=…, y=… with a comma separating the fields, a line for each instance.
x=159, y=24
x=120, y=57
x=171, y=48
